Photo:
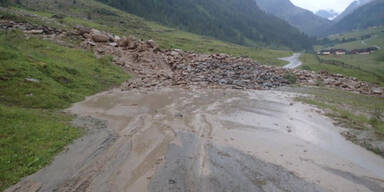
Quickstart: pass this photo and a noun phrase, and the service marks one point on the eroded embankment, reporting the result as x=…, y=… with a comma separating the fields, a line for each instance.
x=208, y=140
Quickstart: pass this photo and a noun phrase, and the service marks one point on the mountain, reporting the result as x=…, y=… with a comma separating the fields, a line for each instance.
x=302, y=19
x=370, y=14
x=327, y=14
x=237, y=21
x=352, y=7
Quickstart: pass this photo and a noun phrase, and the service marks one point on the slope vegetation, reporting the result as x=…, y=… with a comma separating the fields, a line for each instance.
x=38, y=79
x=237, y=21
x=97, y=15
x=371, y=14
x=300, y=18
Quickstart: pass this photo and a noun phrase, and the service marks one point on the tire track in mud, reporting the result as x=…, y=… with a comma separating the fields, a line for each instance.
x=206, y=140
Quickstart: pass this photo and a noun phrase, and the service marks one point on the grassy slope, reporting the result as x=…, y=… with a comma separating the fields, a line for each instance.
x=32, y=128
x=376, y=39
x=357, y=109
x=350, y=110
x=369, y=68
x=100, y=16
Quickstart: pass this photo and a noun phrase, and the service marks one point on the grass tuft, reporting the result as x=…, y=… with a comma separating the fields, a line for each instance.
x=37, y=79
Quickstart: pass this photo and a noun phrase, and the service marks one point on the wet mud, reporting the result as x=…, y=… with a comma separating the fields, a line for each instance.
x=206, y=140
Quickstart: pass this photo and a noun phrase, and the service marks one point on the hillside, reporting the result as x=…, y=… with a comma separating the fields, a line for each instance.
x=351, y=8
x=370, y=37
x=371, y=14
x=240, y=22
x=103, y=17
x=298, y=17
x=369, y=68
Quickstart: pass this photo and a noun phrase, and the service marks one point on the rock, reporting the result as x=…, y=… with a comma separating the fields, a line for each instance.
x=132, y=42
x=117, y=38
x=113, y=44
x=83, y=30
x=32, y=80
x=124, y=42
x=100, y=38
x=132, y=45
x=95, y=31
x=91, y=43
x=377, y=91
x=35, y=31
x=152, y=44
x=171, y=181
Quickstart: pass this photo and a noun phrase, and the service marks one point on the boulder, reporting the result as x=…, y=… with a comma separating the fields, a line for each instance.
x=113, y=44
x=100, y=38
x=124, y=42
x=132, y=42
x=83, y=30
x=132, y=45
x=35, y=31
x=152, y=44
x=377, y=91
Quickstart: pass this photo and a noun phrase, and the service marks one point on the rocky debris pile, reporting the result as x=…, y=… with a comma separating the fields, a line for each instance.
x=338, y=81
x=153, y=67
x=221, y=70
x=29, y=28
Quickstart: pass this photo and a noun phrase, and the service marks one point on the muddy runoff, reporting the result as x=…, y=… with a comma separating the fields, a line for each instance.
x=206, y=140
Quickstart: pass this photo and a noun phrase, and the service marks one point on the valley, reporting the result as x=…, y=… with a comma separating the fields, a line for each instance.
x=93, y=98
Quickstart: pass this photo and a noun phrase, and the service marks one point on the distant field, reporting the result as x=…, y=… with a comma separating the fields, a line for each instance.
x=105, y=18
x=370, y=37
x=369, y=68
x=364, y=67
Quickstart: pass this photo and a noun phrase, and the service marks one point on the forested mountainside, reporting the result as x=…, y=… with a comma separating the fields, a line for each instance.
x=371, y=14
x=351, y=8
x=237, y=21
x=300, y=18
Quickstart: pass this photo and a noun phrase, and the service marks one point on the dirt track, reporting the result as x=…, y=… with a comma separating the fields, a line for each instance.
x=206, y=140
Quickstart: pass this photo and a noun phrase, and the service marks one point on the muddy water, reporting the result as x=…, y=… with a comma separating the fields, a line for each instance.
x=207, y=140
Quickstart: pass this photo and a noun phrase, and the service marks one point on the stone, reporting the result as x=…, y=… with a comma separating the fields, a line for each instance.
x=152, y=44
x=124, y=42
x=377, y=91
x=100, y=38
x=32, y=80
x=113, y=44
x=35, y=31
x=83, y=30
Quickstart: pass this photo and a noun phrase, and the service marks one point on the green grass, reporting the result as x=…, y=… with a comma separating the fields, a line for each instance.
x=29, y=139
x=368, y=68
x=376, y=39
x=352, y=110
x=32, y=130
x=100, y=16
x=66, y=75
x=364, y=67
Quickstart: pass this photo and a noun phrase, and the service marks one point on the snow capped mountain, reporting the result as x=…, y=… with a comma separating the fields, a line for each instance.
x=327, y=14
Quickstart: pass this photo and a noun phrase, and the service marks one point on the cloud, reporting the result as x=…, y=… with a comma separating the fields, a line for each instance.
x=315, y=5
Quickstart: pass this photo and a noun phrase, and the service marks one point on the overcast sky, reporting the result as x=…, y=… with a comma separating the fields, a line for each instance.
x=315, y=5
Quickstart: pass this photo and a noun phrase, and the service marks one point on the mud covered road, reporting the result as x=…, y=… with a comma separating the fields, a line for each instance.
x=206, y=140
